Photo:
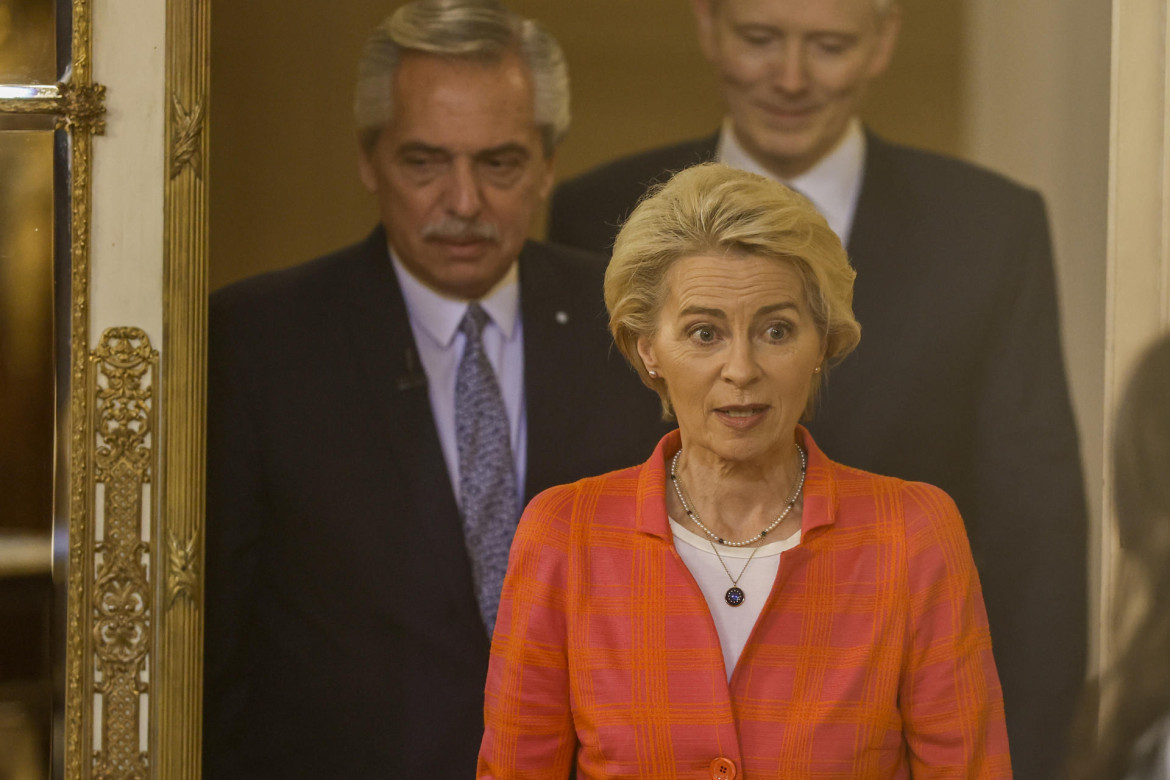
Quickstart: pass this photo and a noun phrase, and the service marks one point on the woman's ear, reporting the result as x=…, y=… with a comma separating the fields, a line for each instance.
x=646, y=352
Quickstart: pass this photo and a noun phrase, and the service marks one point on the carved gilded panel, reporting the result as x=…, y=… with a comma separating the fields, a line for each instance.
x=123, y=370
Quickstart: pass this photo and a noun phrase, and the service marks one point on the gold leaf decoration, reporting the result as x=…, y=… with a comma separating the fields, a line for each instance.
x=186, y=137
x=85, y=108
x=123, y=406
x=182, y=569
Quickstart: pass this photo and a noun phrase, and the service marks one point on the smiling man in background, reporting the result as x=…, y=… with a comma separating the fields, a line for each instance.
x=959, y=379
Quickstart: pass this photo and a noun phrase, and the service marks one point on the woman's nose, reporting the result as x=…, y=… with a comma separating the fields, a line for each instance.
x=741, y=367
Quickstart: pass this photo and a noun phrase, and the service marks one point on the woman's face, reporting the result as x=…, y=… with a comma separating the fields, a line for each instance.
x=737, y=347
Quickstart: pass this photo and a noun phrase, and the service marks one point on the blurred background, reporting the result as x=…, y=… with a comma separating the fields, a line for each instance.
x=27, y=55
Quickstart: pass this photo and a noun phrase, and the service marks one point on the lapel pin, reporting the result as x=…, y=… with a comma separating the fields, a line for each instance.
x=562, y=317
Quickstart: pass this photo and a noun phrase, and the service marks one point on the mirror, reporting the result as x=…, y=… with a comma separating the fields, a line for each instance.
x=26, y=462
x=28, y=52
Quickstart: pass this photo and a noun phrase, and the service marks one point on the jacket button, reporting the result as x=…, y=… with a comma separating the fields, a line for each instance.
x=722, y=769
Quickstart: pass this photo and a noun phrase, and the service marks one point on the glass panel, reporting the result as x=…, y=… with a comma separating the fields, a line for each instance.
x=27, y=121
x=26, y=449
x=27, y=42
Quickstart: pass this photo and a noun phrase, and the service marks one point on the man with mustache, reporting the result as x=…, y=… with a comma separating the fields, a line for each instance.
x=959, y=379
x=379, y=416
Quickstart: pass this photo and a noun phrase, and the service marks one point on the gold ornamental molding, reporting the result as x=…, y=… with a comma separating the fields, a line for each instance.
x=78, y=107
x=32, y=99
x=81, y=109
x=177, y=706
x=186, y=138
x=123, y=370
x=84, y=108
x=182, y=569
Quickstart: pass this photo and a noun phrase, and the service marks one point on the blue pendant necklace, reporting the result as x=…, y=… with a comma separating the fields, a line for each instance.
x=735, y=595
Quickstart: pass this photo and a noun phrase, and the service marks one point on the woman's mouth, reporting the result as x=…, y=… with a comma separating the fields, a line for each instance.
x=741, y=416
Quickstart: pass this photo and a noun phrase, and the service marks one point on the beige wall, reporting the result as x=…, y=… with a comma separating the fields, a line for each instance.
x=283, y=165
x=1037, y=107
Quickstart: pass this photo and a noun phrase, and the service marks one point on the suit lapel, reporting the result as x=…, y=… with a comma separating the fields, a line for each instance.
x=889, y=261
x=557, y=321
x=879, y=222
x=381, y=327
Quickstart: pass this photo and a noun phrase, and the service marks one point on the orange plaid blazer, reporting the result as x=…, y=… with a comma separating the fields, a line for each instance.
x=871, y=658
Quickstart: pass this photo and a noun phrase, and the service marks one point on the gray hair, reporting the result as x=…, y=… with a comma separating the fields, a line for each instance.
x=482, y=30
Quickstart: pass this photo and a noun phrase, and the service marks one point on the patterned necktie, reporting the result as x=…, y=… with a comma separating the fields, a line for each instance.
x=487, y=472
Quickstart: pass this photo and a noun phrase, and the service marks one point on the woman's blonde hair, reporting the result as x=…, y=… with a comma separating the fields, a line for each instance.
x=712, y=209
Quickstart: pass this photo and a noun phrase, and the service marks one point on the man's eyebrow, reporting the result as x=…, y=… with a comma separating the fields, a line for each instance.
x=409, y=147
x=743, y=28
x=749, y=28
x=508, y=148
x=835, y=35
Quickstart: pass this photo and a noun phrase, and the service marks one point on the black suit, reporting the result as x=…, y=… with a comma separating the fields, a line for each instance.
x=343, y=635
x=958, y=381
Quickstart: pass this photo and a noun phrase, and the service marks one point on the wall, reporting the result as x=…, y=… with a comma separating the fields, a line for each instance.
x=1036, y=97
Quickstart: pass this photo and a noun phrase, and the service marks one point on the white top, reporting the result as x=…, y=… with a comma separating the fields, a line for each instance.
x=733, y=624
x=434, y=320
x=833, y=184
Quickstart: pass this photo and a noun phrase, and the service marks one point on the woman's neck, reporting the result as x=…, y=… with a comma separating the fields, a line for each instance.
x=736, y=500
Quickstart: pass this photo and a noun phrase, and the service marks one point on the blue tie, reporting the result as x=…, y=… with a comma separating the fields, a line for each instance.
x=487, y=471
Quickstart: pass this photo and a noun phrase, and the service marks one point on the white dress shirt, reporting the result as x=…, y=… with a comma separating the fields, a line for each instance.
x=434, y=320
x=833, y=184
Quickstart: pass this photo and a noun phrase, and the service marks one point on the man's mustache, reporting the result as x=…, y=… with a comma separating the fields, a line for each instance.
x=455, y=229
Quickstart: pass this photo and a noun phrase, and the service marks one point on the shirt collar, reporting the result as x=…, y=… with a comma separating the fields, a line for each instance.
x=439, y=315
x=833, y=184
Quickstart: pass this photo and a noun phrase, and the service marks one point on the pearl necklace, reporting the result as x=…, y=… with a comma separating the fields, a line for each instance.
x=735, y=595
x=691, y=513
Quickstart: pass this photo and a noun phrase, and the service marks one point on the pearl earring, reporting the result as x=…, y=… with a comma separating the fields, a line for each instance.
x=653, y=374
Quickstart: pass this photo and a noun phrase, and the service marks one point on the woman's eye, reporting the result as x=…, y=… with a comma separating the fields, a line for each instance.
x=704, y=335
x=778, y=332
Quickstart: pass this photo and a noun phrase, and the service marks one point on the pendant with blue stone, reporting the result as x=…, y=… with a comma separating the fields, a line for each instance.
x=734, y=596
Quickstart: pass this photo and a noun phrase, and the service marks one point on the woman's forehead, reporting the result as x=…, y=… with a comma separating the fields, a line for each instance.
x=732, y=278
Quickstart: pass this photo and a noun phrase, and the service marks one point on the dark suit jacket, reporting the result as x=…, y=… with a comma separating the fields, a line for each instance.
x=958, y=381
x=342, y=634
